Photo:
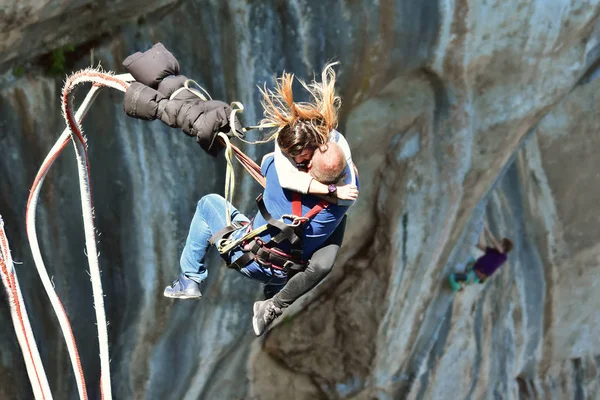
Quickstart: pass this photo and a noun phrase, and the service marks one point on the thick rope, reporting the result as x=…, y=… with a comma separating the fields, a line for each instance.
x=25, y=337
x=30, y=216
x=100, y=80
x=87, y=208
x=75, y=133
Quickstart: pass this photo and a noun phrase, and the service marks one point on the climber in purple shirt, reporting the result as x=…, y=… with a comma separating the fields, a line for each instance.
x=481, y=269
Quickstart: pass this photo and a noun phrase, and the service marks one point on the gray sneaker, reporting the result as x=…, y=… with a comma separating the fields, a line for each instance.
x=183, y=288
x=265, y=313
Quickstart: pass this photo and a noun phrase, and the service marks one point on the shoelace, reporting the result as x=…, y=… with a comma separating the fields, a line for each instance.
x=271, y=312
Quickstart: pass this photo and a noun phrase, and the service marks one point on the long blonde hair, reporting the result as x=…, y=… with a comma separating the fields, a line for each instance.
x=302, y=124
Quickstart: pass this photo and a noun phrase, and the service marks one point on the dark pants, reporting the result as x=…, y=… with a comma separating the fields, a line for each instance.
x=319, y=267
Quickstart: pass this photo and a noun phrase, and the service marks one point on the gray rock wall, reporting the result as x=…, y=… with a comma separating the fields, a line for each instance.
x=456, y=111
x=34, y=27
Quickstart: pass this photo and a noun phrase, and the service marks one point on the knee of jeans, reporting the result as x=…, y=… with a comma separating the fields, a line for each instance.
x=208, y=198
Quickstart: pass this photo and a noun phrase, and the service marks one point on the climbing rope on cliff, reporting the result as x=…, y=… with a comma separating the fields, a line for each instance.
x=74, y=132
x=80, y=148
x=20, y=318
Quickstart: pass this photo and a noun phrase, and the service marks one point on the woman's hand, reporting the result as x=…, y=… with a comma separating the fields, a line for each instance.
x=347, y=192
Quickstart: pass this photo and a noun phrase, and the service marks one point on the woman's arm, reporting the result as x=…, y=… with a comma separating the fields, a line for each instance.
x=344, y=191
x=492, y=239
x=289, y=176
x=343, y=143
x=349, y=191
x=293, y=179
x=481, y=242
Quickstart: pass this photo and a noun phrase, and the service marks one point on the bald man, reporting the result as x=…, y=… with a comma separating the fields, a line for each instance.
x=328, y=163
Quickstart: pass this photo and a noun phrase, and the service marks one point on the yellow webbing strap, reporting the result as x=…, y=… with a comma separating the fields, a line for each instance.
x=226, y=245
x=229, y=177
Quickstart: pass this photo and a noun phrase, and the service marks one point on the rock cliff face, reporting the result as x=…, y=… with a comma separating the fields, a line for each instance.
x=457, y=112
x=34, y=27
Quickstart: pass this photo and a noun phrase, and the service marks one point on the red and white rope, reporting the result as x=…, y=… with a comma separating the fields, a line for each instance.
x=74, y=131
x=87, y=206
x=18, y=312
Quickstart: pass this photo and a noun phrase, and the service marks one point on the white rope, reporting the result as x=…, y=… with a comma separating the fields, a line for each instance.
x=236, y=107
x=195, y=91
x=35, y=247
x=39, y=263
x=88, y=216
x=20, y=318
x=229, y=172
x=229, y=177
x=186, y=86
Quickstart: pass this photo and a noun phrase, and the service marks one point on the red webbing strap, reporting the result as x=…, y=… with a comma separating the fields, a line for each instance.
x=250, y=166
x=297, y=206
x=316, y=209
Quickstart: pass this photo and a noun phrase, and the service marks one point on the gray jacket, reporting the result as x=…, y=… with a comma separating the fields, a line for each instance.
x=157, y=74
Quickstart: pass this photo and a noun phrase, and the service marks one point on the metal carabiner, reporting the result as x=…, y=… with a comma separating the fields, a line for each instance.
x=296, y=221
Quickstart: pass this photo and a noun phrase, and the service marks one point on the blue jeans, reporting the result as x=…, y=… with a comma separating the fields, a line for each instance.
x=208, y=219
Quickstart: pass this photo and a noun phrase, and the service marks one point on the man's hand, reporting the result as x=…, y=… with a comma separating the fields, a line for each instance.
x=347, y=192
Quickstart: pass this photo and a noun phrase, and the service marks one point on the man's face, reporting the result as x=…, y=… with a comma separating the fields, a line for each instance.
x=304, y=157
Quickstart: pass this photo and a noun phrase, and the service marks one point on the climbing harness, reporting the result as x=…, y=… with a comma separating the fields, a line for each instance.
x=268, y=253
